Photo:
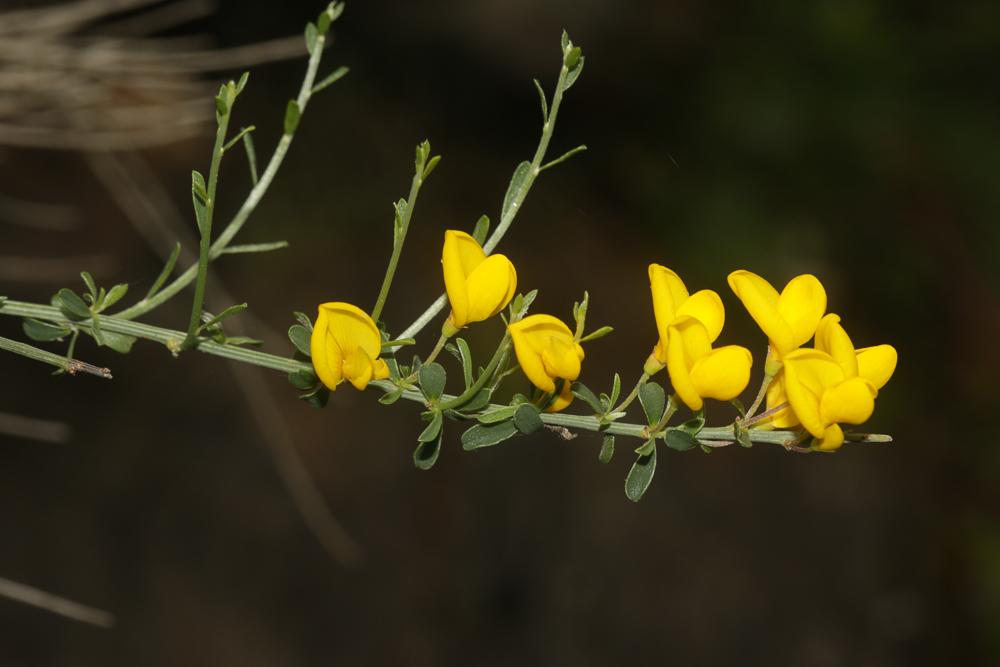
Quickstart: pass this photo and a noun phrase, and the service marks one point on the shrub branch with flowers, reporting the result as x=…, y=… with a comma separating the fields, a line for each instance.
x=806, y=396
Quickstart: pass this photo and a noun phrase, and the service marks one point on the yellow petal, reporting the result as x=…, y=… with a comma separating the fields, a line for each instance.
x=776, y=396
x=687, y=342
x=530, y=337
x=459, y=257
x=808, y=374
x=326, y=356
x=705, y=306
x=563, y=400
x=833, y=438
x=352, y=328
x=832, y=339
x=877, y=364
x=761, y=301
x=358, y=368
x=850, y=402
x=723, y=374
x=560, y=358
x=669, y=293
x=381, y=370
x=489, y=288
x=802, y=304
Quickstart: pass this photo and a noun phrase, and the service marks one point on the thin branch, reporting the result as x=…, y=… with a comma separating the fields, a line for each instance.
x=55, y=604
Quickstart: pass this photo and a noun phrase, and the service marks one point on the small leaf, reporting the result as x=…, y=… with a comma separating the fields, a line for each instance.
x=311, y=34
x=304, y=320
x=221, y=107
x=742, y=435
x=292, y=114
x=515, y=189
x=323, y=22
x=572, y=58
x=574, y=74
x=43, y=332
x=526, y=419
x=694, y=425
x=199, y=198
x=653, y=401
x=432, y=380
x=545, y=103
x=253, y=247
x=607, y=449
x=331, y=78
x=242, y=83
x=564, y=41
x=481, y=229
x=487, y=435
x=616, y=389
x=740, y=408
x=88, y=280
x=251, y=157
x=499, y=415
x=680, y=440
x=646, y=448
x=465, y=355
x=115, y=295
x=433, y=429
x=599, y=333
x=478, y=402
x=303, y=380
x=118, y=342
x=241, y=340
x=300, y=339
x=431, y=164
x=70, y=304
x=390, y=397
x=584, y=393
x=227, y=313
x=317, y=398
x=640, y=476
x=426, y=454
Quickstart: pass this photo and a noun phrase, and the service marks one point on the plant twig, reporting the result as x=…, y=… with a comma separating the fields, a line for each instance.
x=35, y=597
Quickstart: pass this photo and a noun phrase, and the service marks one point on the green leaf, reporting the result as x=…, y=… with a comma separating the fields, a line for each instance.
x=253, y=247
x=607, y=449
x=168, y=268
x=574, y=74
x=88, y=280
x=487, y=435
x=465, y=355
x=515, y=189
x=562, y=158
x=115, y=295
x=43, y=331
x=740, y=408
x=680, y=440
x=433, y=428
x=498, y=415
x=426, y=454
x=482, y=228
x=221, y=107
x=694, y=425
x=572, y=58
x=70, y=304
x=301, y=339
x=331, y=78
x=742, y=435
x=227, y=313
x=431, y=164
x=584, y=393
x=251, y=157
x=292, y=114
x=432, y=380
x=599, y=333
x=564, y=41
x=616, y=389
x=116, y=341
x=303, y=319
x=640, y=476
x=390, y=397
x=199, y=198
x=303, y=380
x=526, y=419
x=653, y=401
x=545, y=103
x=241, y=340
x=478, y=402
x=242, y=83
x=646, y=448
x=323, y=22
x=317, y=398
x=311, y=34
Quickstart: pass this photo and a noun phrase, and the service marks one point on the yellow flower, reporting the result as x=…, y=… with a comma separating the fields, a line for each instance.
x=688, y=325
x=345, y=345
x=478, y=286
x=788, y=319
x=875, y=364
x=547, y=351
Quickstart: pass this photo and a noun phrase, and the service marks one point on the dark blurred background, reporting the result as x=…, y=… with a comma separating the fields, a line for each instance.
x=856, y=140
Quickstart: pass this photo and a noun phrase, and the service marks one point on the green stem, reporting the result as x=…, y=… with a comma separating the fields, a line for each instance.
x=633, y=394
x=494, y=240
x=205, y=225
x=71, y=366
x=747, y=418
x=397, y=245
x=172, y=338
x=249, y=205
